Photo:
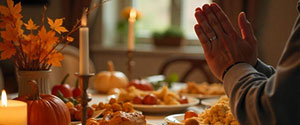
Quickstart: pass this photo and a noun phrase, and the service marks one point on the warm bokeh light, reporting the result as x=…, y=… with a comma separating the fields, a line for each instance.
x=3, y=99
x=83, y=20
x=132, y=14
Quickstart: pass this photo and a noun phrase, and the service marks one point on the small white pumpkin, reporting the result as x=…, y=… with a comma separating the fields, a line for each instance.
x=107, y=80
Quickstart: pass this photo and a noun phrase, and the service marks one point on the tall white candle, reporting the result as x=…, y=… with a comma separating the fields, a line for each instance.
x=12, y=112
x=84, y=47
x=131, y=21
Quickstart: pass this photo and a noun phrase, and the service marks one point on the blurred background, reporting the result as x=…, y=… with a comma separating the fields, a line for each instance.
x=272, y=21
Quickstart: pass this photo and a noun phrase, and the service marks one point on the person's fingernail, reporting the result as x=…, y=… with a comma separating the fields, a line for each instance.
x=212, y=4
x=215, y=7
x=245, y=17
x=199, y=13
x=206, y=8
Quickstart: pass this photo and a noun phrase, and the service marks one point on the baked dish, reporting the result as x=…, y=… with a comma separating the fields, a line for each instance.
x=203, y=89
x=218, y=114
x=120, y=118
x=160, y=97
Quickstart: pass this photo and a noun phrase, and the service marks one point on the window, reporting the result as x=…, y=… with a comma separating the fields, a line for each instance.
x=157, y=16
x=188, y=20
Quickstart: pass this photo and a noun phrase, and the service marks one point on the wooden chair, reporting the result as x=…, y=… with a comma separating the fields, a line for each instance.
x=196, y=63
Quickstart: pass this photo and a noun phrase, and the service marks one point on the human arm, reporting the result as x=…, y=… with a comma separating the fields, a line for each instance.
x=259, y=95
x=258, y=99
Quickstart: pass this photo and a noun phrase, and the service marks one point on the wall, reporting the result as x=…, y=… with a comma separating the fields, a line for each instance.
x=277, y=26
x=148, y=60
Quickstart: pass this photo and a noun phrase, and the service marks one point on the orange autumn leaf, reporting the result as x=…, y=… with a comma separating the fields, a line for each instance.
x=55, y=58
x=56, y=25
x=10, y=34
x=48, y=39
x=51, y=40
x=4, y=10
x=30, y=25
x=70, y=39
x=7, y=50
x=42, y=33
x=30, y=44
x=14, y=10
x=19, y=24
x=2, y=25
x=30, y=37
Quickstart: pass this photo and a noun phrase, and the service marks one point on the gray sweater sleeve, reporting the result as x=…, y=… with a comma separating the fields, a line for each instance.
x=261, y=96
x=263, y=68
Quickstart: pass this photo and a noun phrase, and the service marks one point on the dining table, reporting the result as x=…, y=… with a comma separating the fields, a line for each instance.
x=151, y=118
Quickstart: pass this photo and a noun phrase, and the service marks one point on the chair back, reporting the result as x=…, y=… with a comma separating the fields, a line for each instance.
x=196, y=63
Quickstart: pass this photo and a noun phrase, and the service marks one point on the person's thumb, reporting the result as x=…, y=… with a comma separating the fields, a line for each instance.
x=246, y=28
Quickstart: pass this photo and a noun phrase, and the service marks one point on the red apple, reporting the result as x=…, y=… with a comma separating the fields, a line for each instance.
x=65, y=89
x=141, y=84
x=150, y=99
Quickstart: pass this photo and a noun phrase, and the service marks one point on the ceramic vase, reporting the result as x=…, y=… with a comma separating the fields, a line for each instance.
x=41, y=77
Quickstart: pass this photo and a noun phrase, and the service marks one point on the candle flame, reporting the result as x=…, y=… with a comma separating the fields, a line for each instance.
x=3, y=99
x=83, y=19
x=132, y=14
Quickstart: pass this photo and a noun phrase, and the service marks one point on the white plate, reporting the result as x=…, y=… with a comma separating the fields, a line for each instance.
x=200, y=96
x=209, y=102
x=166, y=108
x=75, y=122
x=175, y=119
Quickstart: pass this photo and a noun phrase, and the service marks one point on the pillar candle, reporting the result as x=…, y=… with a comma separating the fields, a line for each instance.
x=84, y=47
x=12, y=112
x=131, y=21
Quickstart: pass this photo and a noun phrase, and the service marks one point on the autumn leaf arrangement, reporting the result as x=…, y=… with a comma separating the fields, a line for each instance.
x=30, y=46
x=36, y=50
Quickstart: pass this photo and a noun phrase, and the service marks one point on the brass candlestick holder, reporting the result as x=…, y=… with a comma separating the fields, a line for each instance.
x=84, y=82
x=130, y=64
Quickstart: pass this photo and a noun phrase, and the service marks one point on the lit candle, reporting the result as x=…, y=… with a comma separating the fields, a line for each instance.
x=12, y=112
x=131, y=21
x=84, y=46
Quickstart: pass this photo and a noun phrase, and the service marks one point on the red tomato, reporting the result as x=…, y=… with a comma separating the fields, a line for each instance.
x=137, y=100
x=183, y=100
x=150, y=99
x=65, y=89
x=190, y=114
x=76, y=91
x=141, y=84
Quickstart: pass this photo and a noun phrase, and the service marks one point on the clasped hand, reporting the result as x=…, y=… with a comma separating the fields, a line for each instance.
x=222, y=45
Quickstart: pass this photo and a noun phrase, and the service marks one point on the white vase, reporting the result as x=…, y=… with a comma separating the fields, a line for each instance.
x=41, y=77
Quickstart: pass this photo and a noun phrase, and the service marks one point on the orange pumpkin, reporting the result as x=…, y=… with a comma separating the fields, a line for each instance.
x=45, y=109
